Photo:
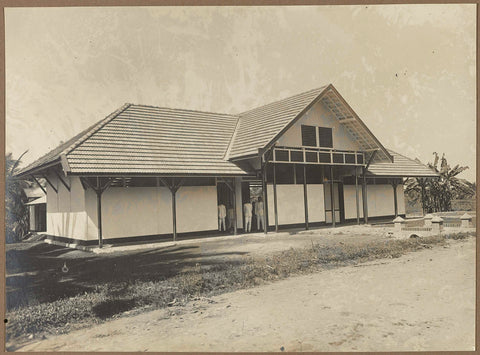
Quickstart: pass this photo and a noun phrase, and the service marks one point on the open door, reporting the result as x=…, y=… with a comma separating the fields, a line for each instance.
x=338, y=202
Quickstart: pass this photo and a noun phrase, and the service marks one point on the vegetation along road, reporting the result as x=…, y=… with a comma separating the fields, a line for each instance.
x=417, y=301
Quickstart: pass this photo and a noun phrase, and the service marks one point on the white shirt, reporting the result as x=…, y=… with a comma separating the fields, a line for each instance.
x=247, y=209
x=222, y=211
x=259, y=208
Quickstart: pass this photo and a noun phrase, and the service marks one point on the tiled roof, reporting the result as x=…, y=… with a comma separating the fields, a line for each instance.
x=149, y=140
x=401, y=167
x=259, y=126
x=141, y=139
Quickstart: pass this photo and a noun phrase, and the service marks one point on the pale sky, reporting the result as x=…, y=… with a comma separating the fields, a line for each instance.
x=407, y=70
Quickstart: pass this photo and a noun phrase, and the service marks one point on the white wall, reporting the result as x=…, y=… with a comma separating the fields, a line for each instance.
x=319, y=115
x=350, y=203
x=196, y=209
x=381, y=202
x=316, y=203
x=290, y=204
x=135, y=211
x=66, y=215
x=139, y=211
x=400, y=199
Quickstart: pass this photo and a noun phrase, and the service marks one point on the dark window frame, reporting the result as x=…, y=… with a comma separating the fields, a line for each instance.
x=306, y=132
x=329, y=140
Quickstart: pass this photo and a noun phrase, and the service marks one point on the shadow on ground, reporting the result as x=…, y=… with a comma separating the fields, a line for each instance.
x=38, y=272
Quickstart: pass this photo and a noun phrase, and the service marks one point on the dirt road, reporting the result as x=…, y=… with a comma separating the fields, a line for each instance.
x=421, y=301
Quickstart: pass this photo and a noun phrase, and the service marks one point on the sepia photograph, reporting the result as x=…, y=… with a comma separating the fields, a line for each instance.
x=240, y=178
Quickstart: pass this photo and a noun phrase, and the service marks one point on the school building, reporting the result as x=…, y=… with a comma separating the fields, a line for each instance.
x=152, y=173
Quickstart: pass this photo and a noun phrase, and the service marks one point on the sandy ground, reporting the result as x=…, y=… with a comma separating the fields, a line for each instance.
x=421, y=301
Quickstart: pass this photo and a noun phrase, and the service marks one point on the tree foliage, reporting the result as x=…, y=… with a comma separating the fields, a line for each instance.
x=16, y=212
x=436, y=194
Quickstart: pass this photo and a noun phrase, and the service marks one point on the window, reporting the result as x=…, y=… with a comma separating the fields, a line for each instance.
x=325, y=137
x=350, y=158
x=281, y=155
x=284, y=173
x=309, y=136
x=296, y=155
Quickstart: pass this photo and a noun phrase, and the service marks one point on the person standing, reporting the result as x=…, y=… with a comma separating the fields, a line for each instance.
x=259, y=214
x=247, y=211
x=230, y=218
x=222, y=213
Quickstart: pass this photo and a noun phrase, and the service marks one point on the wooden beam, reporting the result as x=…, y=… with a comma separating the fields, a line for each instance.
x=87, y=183
x=173, y=189
x=39, y=185
x=83, y=184
x=234, y=207
x=275, y=208
x=357, y=197
x=99, y=218
x=305, y=195
x=50, y=183
x=61, y=180
x=371, y=159
x=395, y=202
x=365, y=197
x=264, y=197
x=332, y=197
x=226, y=183
x=174, y=210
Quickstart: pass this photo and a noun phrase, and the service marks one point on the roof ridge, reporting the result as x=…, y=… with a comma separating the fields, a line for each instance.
x=285, y=98
x=94, y=129
x=232, y=139
x=189, y=110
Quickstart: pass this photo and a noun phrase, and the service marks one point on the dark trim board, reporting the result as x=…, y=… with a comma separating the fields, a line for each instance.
x=144, y=239
x=383, y=219
x=141, y=239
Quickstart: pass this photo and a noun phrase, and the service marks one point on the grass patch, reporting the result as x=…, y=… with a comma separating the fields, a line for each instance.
x=111, y=299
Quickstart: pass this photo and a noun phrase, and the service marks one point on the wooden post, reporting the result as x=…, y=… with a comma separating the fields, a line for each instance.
x=332, y=196
x=357, y=198
x=395, y=202
x=275, y=208
x=364, y=198
x=174, y=210
x=422, y=181
x=99, y=213
x=234, y=207
x=264, y=197
x=305, y=195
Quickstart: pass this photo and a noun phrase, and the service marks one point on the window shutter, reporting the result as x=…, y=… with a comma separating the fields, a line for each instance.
x=325, y=137
x=309, y=136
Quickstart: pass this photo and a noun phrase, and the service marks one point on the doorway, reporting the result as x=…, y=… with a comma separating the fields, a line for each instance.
x=339, y=211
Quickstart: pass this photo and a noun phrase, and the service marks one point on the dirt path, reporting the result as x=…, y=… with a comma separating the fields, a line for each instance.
x=421, y=301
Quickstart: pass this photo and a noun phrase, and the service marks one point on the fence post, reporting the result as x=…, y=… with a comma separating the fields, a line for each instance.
x=398, y=223
x=427, y=220
x=437, y=224
x=466, y=220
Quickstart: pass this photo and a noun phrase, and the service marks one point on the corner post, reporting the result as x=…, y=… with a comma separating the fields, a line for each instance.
x=305, y=195
x=332, y=196
x=98, y=191
x=395, y=202
x=264, y=195
x=357, y=198
x=364, y=198
x=275, y=208
x=174, y=209
x=234, y=184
